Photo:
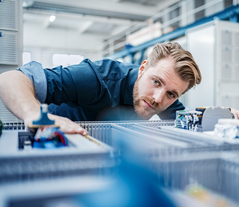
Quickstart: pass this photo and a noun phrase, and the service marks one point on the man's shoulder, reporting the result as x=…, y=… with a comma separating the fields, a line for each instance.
x=105, y=64
x=114, y=63
x=111, y=69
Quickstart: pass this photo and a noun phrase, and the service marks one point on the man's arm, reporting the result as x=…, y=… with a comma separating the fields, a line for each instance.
x=18, y=94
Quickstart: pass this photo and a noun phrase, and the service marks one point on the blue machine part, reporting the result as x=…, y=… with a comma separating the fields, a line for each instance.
x=43, y=119
x=49, y=138
x=189, y=120
x=135, y=186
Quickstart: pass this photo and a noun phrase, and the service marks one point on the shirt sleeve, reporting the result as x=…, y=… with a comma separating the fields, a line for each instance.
x=170, y=112
x=34, y=71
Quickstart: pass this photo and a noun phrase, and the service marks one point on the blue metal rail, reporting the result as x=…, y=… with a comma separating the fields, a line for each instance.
x=231, y=13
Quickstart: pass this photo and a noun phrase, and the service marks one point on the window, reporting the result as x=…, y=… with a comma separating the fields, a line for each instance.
x=201, y=13
x=66, y=59
x=227, y=3
x=173, y=14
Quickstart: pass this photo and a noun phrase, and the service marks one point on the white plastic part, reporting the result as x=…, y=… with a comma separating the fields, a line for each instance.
x=44, y=108
x=212, y=115
x=229, y=121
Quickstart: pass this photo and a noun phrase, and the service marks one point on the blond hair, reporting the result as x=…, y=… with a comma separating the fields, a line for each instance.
x=185, y=65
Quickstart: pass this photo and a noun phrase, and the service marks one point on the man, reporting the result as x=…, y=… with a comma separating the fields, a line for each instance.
x=90, y=90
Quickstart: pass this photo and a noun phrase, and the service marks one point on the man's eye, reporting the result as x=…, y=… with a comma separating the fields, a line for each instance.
x=171, y=95
x=156, y=82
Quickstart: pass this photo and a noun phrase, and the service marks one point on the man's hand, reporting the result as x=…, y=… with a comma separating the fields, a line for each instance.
x=66, y=125
x=18, y=94
x=235, y=113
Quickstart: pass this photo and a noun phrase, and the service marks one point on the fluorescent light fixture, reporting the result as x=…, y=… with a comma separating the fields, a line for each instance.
x=52, y=18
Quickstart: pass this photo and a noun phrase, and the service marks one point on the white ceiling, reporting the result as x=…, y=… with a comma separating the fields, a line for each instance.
x=98, y=17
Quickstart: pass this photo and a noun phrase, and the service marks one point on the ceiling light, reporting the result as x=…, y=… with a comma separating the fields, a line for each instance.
x=52, y=18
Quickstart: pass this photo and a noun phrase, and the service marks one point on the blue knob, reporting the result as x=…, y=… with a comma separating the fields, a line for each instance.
x=43, y=119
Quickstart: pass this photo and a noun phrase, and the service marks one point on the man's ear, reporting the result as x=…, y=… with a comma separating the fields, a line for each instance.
x=142, y=67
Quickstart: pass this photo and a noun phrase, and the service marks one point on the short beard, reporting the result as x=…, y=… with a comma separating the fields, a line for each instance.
x=137, y=98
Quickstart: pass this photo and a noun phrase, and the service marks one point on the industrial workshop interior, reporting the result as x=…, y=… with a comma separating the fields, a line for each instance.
x=185, y=154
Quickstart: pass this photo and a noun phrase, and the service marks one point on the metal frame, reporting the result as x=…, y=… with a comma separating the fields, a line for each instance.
x=231, y=13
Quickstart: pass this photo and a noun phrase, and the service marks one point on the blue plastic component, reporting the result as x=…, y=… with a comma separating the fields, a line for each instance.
x=49, y=145
x=43, y=119
x=46, y=145
x=0, y=32
x=134, y=186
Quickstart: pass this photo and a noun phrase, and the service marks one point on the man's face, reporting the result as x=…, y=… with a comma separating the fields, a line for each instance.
x=157, y=88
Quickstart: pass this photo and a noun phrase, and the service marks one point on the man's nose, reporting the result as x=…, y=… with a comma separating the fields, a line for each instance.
x=158, y=95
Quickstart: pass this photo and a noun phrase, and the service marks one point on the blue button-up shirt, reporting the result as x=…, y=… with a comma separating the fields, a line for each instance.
x=100, y=90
